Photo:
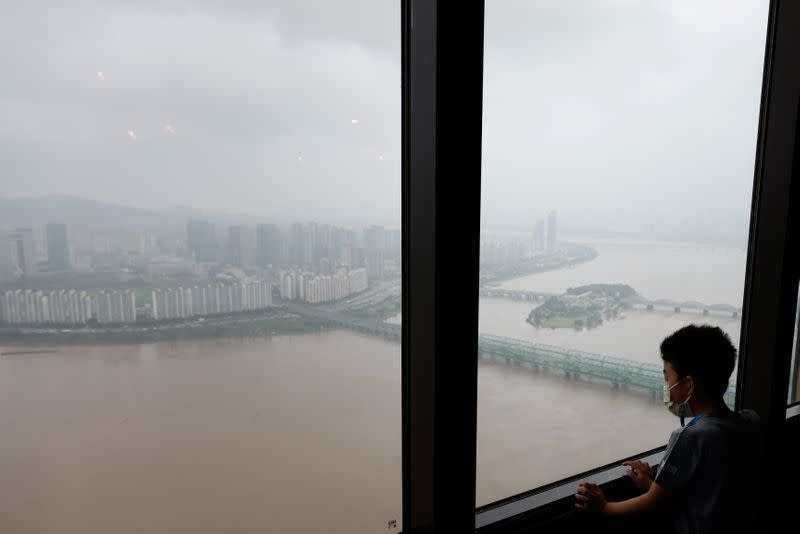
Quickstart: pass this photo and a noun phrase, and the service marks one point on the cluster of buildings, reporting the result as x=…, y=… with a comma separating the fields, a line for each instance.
x=543, y=242
x=28, y=307
x=20, y=251
x=321, y=248
x=316, y=289
x=66, y=307
x=184, y=302
x=55, y=249
x=499, y=253
x=309, y=262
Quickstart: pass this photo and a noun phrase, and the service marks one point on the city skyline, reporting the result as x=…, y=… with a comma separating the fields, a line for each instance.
x=715, y=228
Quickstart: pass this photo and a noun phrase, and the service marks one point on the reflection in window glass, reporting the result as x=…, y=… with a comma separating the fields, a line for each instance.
x=794, y=375
x=619, y=140
x=199, y=202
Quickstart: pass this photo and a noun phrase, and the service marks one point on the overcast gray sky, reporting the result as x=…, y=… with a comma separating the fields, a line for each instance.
x=623, y=107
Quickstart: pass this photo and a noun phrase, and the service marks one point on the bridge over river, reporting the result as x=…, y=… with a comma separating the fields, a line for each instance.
x=617, y=373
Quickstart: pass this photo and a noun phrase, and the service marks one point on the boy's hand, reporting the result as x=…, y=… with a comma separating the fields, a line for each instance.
x=590, y=497
x=641, y=473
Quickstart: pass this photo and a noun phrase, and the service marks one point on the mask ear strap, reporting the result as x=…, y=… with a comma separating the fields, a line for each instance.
x=676, y=383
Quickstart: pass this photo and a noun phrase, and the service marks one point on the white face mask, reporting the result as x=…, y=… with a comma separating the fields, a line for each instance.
x=682, y=410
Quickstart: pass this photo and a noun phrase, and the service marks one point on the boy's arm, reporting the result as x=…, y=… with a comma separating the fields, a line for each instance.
x=656, y=497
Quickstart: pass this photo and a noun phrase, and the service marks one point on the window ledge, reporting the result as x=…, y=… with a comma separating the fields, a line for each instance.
x=494, y=513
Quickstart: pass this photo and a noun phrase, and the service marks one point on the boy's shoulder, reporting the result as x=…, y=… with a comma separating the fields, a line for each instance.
x=688, y=435
x=743, y=421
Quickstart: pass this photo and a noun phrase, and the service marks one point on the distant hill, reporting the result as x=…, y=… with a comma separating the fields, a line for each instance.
x=37, y=211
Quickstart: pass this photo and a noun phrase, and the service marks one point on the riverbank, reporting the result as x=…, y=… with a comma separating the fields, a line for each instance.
x=240, y=325
x=380, y=311
x=569, y=256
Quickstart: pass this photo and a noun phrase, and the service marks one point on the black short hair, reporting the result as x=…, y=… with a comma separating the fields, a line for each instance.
x=703, y=351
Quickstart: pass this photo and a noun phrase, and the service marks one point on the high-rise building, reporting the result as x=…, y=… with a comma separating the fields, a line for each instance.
x=287, y=286
x=58, y=256
x=375, y=263
x=375, y=238
x=338, y=237
x=551, y=232
x=295, y=244
x=345, y=255
x=538, y=238
x=202, y=240
x=309, y=245
x=113, y=307
x=63, y=306
x=357, y=257
x=326, y=266
x=26, y=251
x=242, y=243
x=269, y=240
x=285, y=257
x=375, y=253
x=7, y=266
x=394, y=244
x=300, y=289
x=324, y=237
x=320, y=289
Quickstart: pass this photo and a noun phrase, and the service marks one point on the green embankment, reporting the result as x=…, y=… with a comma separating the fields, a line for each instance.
x=176, y=332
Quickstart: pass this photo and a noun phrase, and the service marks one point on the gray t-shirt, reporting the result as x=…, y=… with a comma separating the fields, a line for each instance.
x=710, y=470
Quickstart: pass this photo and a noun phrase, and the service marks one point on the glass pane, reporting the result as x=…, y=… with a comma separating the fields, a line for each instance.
x=200, y=250
x=794, y=375
x=618, y=148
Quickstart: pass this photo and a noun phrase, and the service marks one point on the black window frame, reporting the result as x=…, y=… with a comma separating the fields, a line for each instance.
x=442, y=84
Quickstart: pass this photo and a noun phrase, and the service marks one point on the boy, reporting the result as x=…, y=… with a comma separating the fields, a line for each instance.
x=708, y=476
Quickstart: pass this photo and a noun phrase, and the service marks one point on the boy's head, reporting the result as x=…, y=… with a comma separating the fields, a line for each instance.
x=703, y=352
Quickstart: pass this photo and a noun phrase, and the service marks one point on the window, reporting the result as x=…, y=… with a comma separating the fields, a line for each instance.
x=618, y=148
x=794, y=375
x=200, y=267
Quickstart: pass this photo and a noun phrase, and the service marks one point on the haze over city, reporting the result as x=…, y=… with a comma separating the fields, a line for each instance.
x=293, y=111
